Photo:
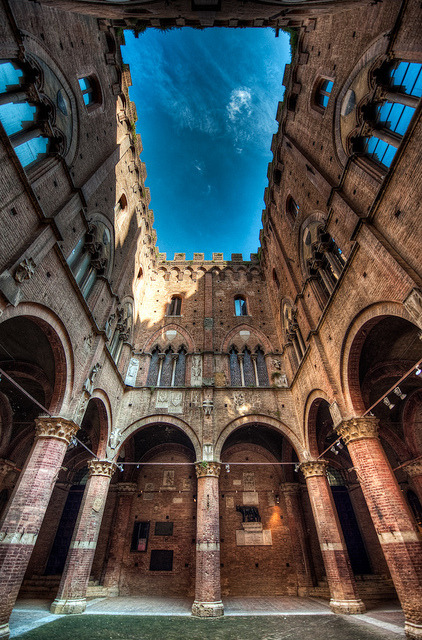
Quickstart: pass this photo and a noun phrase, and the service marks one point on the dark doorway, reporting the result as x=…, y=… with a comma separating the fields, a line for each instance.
x=61, y=544
x=352, y=536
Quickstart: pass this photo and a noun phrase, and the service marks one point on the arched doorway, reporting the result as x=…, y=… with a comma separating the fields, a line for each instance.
x=152, y=530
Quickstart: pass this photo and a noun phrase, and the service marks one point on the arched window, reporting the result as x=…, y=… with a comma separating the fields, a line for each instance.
x=175, y=306
x=248, y=369
x=240, y=307
x=292, y=208
x=121, y=205
x=323, y=260
x=389, y=114
x=322, y=92
x=168, y=368
x=91, y=91
x=275, y=279
x=28, y=121
x=91, y=256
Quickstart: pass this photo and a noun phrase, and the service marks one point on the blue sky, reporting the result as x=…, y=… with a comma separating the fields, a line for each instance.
x=206, y=103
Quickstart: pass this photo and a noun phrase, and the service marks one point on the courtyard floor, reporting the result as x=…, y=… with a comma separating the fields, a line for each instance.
x=134, y=618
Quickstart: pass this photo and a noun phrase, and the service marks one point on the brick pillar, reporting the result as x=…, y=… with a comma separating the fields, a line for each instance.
x=414, y=471
x=71, y=596
x=291, y=493
x=344, y=595
x=396, y=528
x=119, y=536
x=25, y=511
x=207, y=585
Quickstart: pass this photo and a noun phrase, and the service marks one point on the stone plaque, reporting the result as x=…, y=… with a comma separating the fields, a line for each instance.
x=132, y=372
x=162, y=401
x=168, y=478
x=175, y=404
x=248, y=481
x=237, y=483
x=186, y=484
x=229, y=502
x=149, y=486
x=271, y=499
x=250, y=498
x=177, y=500
x=147, y=496
x=196, y=372
x=253, y=535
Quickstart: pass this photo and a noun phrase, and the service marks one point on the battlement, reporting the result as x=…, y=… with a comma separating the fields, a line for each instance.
x=217, y=258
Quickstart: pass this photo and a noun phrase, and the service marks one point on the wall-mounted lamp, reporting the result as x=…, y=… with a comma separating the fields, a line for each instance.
x=389, y=404
x=296, y=468
x=340, y=444
x=194, y=498
x=227, y=468
x=277, y=499
x=418, y=370
x=334, y=450
x=400, y=393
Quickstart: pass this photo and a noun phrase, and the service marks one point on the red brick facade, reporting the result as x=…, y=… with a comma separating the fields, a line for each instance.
x=218, y=422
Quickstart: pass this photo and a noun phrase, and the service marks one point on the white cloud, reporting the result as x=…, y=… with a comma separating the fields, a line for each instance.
x=240, y=103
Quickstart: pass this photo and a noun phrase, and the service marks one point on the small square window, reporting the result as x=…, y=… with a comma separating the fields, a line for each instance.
x=161, y=560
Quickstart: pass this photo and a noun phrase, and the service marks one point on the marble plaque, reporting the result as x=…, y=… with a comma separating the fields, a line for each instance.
x=196, y=372
x=132, y=372
x=237, y=483
x=248, y=481
x=253, y=538
x=147, y=496
x=177, y=500
x=250, y=498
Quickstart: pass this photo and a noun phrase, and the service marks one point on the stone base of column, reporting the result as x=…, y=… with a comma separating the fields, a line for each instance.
x=207, y=609
x=77, y=605
x=303, y=592
x=347, y=607
x=4, y=630
x=411, y=629
x=112, y=592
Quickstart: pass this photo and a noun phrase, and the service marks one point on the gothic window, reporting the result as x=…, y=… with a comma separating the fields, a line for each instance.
x=175, y=306
x=323, y=91
x=248, y=369
x=388, y=114
x=240, y=307
x=91, y=257
x=122, y=330
x=323, y=261
x=292, y=208
x=28, y=116
x=167, y=369
x=293, y=333
x=91, y=92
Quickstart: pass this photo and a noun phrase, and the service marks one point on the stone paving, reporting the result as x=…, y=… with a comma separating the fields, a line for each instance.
x=386, y=617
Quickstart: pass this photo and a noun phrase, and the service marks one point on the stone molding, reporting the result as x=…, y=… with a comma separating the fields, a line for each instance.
x=126, y=487
x=204, y=469
x=58, y=428
x=292, y=488
x=414, y=469
x=358, y=429
x=313, y=468
x=101, y=468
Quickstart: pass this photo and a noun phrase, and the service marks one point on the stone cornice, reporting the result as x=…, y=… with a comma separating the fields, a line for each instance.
x=57, y=428
x=313, y=468
x=358, y=429
x=204, y=469
x=101, y=468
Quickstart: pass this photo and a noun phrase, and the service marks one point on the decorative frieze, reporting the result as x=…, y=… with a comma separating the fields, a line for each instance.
x=209, y=468
x=358, y=429
x=58, y=428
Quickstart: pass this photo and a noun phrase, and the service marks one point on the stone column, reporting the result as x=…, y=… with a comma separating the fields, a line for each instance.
x=291, y=493
x=119, y=538
x=396, y=528
x=71, y=596
x=207, y=586
x=25, y=511
x=344, y=595
x=414, y=471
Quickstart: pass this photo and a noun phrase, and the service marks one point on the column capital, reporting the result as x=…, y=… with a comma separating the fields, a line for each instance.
x=126, y=487
x=55, y=427
x=358, y=429
x=292, y=488
x=414, y=469
x=312, y=468
x=101, y=468
x=205, y=468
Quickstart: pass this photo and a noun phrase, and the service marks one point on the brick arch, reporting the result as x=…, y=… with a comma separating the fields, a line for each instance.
x=6, y=423
x=159, y=336
x=309, y=419
x=411, y=427
x=254, y=419
x=61, y=346
x=260, y=337
x=102, y=402
x=258, y=449
x=161, y=419
x=352, y=346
